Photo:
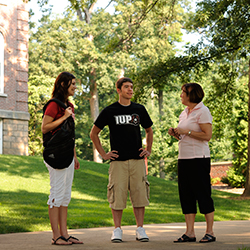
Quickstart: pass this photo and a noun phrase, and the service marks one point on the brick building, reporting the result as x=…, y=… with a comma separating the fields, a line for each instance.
x=14, y=116
x=219, y=169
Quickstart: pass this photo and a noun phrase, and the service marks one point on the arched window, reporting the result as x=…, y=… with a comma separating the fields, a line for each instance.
x=1, y=63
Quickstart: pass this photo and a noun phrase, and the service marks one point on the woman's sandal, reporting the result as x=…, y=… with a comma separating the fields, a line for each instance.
x=185, y=238
x=74, y=238
x=62, y=238
x=207, y=238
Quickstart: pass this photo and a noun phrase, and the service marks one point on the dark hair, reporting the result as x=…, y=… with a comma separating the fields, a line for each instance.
x=60, y=91
x=120, y=82
x=194, y=91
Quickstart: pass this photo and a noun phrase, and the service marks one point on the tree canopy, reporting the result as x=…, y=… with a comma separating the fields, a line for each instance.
x=225, y=32
x=100, y=49
x=140, y=38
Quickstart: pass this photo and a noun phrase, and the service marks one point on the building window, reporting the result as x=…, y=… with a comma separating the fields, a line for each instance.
x=1, y=63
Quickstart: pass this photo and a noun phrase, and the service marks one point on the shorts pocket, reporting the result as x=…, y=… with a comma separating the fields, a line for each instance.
x=148, y=189
x=110, y=193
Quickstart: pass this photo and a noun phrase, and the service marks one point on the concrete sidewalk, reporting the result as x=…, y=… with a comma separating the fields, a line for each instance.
x=230, y=235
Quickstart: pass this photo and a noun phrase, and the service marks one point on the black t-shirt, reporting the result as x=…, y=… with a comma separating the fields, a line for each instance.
x=124, y=126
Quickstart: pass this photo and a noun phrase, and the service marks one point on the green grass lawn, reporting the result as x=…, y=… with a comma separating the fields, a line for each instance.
x=24, y=190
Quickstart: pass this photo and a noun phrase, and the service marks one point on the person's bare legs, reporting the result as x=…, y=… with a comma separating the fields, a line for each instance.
x=117, y=217
x=139, y=215
x=210, y=222
x=190, y=218
x=63, y=214
x=54, y=215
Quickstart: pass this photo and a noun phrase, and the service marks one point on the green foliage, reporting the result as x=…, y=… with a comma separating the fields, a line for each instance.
x=139, y=38
x=83, y=124
x=225, y=22
x=215, y=180
x=228, y=31
x=138, y=33
x=234, y=180
x=60, y=45
x=224, y=26
x=219, y=98
x=40, y=89
x=244, y=248
x=241, y=125
x=237, y=174
x=165, y=147
x=225, y=30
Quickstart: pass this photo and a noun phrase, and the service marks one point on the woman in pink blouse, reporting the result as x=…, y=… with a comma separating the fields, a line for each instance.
x=193, y=132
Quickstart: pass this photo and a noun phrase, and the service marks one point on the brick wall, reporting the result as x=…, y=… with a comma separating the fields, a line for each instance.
x=15, y=137
x=218, y=169
x=14, y=114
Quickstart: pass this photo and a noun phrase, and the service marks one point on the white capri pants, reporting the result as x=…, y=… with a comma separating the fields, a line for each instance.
x=61, y=184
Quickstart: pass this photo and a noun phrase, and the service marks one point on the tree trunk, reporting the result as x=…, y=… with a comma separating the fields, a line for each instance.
x=94, y=108
x=160, y=102
x=246, y=192
x=94, y=104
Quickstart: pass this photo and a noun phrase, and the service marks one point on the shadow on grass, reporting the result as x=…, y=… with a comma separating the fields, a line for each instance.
x=30, y=213
x=91, y=178
x=23, y=166
x=22, y=211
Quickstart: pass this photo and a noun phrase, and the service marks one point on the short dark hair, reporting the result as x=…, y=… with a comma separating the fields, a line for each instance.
x=60, y=91
x=120, y=82
x=194, y=91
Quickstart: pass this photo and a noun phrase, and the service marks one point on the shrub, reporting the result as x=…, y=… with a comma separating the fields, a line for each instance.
x=233, y=179
x=215, y=180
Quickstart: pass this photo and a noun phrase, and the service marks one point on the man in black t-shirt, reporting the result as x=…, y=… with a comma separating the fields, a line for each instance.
x=127, y=168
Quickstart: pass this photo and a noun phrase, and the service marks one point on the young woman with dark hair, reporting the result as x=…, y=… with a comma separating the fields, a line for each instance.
x=60, y=179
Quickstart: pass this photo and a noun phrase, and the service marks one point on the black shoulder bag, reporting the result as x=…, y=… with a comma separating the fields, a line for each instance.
x=59, y=147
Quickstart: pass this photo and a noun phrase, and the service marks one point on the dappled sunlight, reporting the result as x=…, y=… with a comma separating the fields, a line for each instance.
x=88, y=171
x=21, y=184
x=156, y=206
x=25, y=215
x=23, y=148
x=23, y=166
x=86, y=197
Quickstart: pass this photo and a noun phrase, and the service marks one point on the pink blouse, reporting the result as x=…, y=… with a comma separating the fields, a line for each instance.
x=190, y=148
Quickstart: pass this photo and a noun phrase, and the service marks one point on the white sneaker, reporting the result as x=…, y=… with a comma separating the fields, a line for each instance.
x=141, y=235
x=117, y=235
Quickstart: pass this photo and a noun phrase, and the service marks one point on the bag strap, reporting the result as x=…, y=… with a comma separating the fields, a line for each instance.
x=60, y=103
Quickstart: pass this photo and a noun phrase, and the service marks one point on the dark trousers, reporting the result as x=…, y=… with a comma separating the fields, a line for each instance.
x=194, y=184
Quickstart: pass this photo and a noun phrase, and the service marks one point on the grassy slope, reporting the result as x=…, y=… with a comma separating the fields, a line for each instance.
x=24, y=189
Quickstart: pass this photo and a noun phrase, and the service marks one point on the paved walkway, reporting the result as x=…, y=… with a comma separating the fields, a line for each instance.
x=226, y=188
x=230, y=235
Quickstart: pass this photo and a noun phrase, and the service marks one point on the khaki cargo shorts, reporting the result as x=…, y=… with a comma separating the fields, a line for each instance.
x=128, y=175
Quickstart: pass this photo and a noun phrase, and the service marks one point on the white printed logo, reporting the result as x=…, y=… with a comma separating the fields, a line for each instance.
x=52, y=156
x=127, y=119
